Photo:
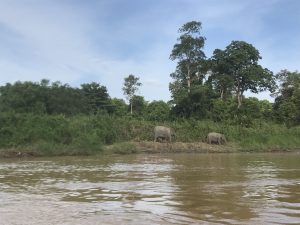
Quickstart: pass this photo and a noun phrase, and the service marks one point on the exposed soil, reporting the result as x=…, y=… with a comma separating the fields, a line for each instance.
x=157, y=147
x=197, y=147
x=12, y=153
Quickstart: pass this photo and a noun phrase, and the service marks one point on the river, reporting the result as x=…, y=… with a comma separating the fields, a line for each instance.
x=151, y=189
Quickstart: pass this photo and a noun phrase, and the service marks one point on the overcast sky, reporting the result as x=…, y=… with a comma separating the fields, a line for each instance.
x=80, y=41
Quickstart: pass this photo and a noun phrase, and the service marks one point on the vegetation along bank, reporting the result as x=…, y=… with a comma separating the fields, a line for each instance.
x=207, y=95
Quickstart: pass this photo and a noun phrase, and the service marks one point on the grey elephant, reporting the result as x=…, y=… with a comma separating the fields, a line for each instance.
x=216, y=138
x=162, y=134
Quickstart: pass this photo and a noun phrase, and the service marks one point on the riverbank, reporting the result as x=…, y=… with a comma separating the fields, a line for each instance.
x=186, y=147
x=146, y=147
x=26, y=135
x=181, y=147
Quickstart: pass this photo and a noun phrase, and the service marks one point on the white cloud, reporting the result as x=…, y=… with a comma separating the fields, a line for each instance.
x=72, y=43
x=50, y=39
x=56, y=45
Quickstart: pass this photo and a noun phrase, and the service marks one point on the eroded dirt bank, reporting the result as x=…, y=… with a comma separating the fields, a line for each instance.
x=197, y=147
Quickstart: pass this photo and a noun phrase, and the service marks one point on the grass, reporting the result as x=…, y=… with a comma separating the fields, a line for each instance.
x=46, y=135
x=122, y=148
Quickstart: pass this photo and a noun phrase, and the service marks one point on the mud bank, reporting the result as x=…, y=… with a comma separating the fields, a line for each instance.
x=147, y=147
x=178, y=147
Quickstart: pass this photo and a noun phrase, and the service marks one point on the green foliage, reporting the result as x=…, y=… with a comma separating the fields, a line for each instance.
x=119, y=107
x=47, y=134
x=138, y=105
x=190, y=43
x=266, y=109
x=197, y=103
x=131, y=84
x=253, y=111
x=41, y=98
x=57, y=98
x=96, y=97
x=189, y=52
x=269, y=137
x=84, y=135
x=123, y=148
x=223, y=111
x=23, y=97
x=287, y=102
x=220, y=78
x=237, y=66
x=158, y=111
x=207, y=95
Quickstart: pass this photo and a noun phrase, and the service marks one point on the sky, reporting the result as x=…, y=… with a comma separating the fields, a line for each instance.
x=103, y=41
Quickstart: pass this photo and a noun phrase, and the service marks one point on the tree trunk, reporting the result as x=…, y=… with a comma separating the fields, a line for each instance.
x=239, y=95
x=131, y=107
x=188, y=77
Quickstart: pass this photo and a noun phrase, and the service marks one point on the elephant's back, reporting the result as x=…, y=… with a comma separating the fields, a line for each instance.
x=213, y=134
x=161, y=130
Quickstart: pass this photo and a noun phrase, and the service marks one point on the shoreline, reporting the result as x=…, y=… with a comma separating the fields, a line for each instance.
x=147, y=147
x=184, y=147
x=203, y=147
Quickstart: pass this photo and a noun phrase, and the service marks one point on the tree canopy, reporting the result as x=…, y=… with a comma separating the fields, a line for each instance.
x=130, y=86
x=96, y=96
x=203, y=89
x=236, y=69
x=188, y=51
x=287, y=101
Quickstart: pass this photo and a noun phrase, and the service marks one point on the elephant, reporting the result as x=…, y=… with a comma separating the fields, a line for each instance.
x=216, y=138
x=162, y=133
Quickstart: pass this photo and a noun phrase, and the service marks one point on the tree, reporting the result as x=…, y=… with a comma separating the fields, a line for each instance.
x=24, y=97
x=287, y=102
x=221, y=81
x=139, y=104
x=158, y=111
x=119, y=107
x=40, y=98
x=195, y=104
x=131, y=85
x=97, y=97
x=63, y=99
x=188, y=51
x=238, y=65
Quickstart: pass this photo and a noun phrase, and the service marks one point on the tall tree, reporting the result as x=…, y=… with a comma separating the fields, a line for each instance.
x=240, y=63
x=131, y=85
x=188, y=51
x=221, y=81
x=287, y=102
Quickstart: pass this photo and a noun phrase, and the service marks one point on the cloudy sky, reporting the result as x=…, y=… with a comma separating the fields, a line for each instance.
x=76, y=41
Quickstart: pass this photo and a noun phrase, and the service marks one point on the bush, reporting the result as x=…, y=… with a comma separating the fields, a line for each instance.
x=82, y=134
x=123, y=148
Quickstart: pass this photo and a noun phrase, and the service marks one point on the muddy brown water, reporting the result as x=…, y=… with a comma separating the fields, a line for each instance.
x=151, y=189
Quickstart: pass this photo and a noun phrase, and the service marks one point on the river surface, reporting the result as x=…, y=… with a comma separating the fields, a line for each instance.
x=151, y=189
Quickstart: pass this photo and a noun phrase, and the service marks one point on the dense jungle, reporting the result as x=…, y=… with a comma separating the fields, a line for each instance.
x=207, y=94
